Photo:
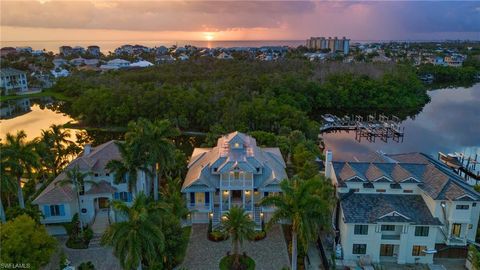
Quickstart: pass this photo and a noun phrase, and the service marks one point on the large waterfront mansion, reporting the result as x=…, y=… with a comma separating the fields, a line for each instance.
x=405, y=208
x=236, y=172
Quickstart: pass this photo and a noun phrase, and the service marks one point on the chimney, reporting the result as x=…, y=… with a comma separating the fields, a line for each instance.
x=328, y=163
x=87, y=149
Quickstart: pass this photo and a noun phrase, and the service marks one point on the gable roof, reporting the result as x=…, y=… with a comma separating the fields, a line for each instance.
x=95, y=160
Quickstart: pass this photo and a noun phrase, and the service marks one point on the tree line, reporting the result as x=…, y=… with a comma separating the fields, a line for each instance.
x=237, y=95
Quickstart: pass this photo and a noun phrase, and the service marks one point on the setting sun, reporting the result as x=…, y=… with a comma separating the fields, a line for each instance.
x=209, y=36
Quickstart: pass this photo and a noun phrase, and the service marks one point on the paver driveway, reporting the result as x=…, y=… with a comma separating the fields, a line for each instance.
x=203, y=254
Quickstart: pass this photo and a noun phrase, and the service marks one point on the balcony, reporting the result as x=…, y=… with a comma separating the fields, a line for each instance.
x=390, y=236
x=199, y=206
x=236, y=183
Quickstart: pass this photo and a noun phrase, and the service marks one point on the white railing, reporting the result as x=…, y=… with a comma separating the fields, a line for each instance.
x=227, y=183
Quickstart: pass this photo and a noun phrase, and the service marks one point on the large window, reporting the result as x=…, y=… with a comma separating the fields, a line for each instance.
x=124, y=196
x=389, y=228
x=463, y=207
x=54, y=210
x=359, y=249
x=361, y=229
x=421, y=230
x=418, y=250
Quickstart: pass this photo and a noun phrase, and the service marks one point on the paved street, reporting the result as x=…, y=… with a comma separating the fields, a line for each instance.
x=202, y=254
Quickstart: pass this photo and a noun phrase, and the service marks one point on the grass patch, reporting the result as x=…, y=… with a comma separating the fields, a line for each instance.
x=186, y=235
x=44, y=93
x=246, y=263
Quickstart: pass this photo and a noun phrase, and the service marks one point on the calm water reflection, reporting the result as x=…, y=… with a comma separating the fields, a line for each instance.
x=31, y=116
x=449, y=123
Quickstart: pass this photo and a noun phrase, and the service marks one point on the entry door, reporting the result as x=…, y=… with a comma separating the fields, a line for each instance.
x=386, y=250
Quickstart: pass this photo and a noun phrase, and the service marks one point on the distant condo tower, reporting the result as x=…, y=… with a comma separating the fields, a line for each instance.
x=334, y=44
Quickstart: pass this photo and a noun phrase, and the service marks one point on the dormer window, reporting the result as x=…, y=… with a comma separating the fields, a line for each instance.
x=215, y=169
x=258, y=169
x=236, y=145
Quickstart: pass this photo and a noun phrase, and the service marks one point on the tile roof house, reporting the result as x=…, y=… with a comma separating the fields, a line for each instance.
x=58, y=202
x=403, y=207
x=234, y=172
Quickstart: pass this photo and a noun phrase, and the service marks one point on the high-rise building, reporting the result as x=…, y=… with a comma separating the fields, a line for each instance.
x=334, y=44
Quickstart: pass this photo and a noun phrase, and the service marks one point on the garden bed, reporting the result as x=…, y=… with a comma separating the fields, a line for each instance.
x=246, y=263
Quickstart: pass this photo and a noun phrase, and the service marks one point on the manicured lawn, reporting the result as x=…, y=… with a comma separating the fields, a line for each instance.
x=227, y=261
x=45, y=93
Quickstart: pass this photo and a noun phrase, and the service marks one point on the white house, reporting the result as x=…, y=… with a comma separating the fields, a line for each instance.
x=115, y=64
x=183, y=57
x=236, y=172
x=224, y=56
x=59, y=72
x=13, y=80
x=58, y=203
x=141, y=64
x=403, y=208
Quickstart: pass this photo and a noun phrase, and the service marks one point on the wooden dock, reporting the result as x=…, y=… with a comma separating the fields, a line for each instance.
x=373, y=127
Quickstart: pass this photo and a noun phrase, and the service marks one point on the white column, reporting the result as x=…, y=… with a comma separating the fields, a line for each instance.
x=243, y=198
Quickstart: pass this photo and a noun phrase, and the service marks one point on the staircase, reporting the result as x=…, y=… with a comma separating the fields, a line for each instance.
x=256, y=216
x=95, y=242
x=216, y=216
x=101, y=222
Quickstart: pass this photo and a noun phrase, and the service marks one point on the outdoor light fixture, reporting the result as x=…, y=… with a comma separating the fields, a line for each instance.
x=443, y=204
x=211, y=215
x=225, y=192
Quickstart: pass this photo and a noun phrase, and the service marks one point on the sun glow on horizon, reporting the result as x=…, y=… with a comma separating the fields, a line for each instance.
x=209, y=36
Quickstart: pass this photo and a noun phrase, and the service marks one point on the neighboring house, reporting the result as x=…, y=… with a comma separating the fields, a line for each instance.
x=127, y=49
x=59, y=72
x=141, y=64
x=115, y=64
x=91, y=62
x=162, y=50
x=58, y=62
x=24, y=49
x=77, y=61
x=7, y=50
x=65, y=50
x=236, y=172
x=78, y=50
x=93, y=50
x=13, y=80
x=224, y=56
x=164, y=59
x=58, y=203
x=183, y=57
x=403, y=208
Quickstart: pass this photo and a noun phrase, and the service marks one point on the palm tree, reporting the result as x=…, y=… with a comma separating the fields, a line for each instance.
x=126, y=168
x=239, y=226
x=152, y=143
x=306, y=204
x=55, y=148
x=171, y=195
x=77, y=179
x=19, y=157
x=7, y=185
x=139, y=239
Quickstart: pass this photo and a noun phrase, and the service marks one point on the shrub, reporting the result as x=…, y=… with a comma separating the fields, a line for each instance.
x=217, y=236
x=86, y=266
x=77, y=239
x=259, y=235
x=246, y=262
x=24, y=241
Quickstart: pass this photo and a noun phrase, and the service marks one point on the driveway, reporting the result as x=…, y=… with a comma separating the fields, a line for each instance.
x=203, y=254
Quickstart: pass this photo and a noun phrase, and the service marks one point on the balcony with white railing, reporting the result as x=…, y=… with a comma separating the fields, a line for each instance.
x=236, y=180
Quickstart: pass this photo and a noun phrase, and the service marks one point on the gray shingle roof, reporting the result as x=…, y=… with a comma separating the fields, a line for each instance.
x=374, y=208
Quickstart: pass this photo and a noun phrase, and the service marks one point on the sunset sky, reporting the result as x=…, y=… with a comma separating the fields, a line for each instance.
x=238, y=20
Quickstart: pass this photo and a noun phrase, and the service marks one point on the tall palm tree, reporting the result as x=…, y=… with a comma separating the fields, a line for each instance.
x=138, y=240
x=152, y=143
x=171, y=195
x=19, y=157
x=77, y=179
x=126, y=168
x=7, y=186
x=306, y=204
x=239, y=226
